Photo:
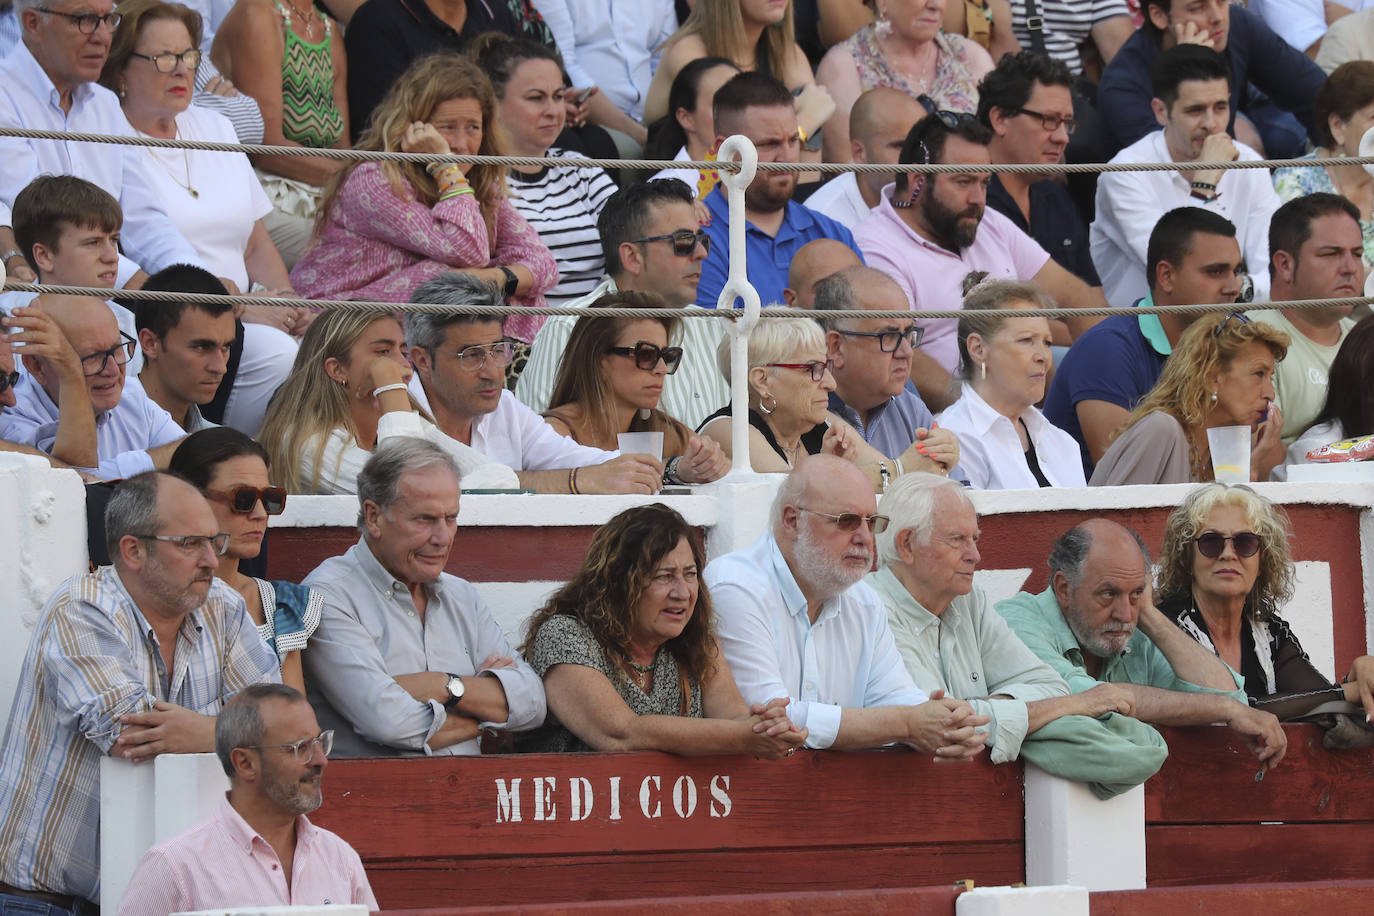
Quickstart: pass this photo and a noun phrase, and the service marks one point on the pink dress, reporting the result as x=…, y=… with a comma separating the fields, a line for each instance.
x=377, y=246
x=955, y=87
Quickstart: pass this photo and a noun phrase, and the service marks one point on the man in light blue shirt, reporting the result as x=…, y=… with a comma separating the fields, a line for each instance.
x=794, y=620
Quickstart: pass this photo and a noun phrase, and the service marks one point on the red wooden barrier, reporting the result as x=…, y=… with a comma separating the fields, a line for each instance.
x=1347, y=898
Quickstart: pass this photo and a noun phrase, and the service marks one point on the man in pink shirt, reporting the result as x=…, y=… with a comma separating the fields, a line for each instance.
x=258, y=849
x=929, y=231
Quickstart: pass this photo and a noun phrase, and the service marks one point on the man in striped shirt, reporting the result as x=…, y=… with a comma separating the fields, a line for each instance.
x=133, y=660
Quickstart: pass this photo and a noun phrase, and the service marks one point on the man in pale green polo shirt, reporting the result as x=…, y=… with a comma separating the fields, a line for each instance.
x=1097, y=623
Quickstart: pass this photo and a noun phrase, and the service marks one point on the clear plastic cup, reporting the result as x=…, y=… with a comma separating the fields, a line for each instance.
x=641, y=444
x=1230, y=447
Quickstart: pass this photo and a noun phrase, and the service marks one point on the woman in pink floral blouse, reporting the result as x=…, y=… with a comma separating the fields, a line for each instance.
x=386, y=227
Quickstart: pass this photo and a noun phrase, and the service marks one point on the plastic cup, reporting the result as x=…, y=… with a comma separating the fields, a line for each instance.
x=643, y=444
x=1230, y=447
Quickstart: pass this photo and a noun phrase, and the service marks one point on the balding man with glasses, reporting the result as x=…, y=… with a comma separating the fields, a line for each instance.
x=794, y=620
x=133, y=660
x=275, y=755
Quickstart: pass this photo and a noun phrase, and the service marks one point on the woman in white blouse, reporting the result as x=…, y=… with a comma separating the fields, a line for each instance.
x=1005, y=442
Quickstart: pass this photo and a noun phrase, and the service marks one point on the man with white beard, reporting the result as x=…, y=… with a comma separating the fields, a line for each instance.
x=795, y=620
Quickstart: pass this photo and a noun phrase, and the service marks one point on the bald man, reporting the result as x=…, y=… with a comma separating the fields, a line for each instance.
x=1097, y=624
x=795, y=620
x=814, y=262
x=132, y=434
x=878, y=123
x=33, y=330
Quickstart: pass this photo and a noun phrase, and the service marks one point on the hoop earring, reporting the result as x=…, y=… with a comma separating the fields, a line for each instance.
x=765, y=409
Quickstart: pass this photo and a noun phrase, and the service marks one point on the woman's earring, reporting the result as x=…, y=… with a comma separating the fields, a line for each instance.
x=765, y=408
x=883, y=26
x=983, y=367
x=1214, y=397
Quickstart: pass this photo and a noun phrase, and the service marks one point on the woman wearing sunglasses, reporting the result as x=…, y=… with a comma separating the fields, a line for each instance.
x=1221, y=373
x=610, y=382
x=1225, y=573
x=230, y=470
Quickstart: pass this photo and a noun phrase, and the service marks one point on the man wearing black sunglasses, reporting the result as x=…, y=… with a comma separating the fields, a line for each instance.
x=1097, y=623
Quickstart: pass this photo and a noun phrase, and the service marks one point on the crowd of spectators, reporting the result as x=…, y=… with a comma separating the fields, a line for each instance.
x=217, y=414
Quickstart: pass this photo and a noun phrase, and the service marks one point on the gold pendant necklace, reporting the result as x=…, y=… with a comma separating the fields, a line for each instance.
x=186, y=160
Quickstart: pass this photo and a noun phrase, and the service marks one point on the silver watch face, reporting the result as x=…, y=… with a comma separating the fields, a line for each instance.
x=455, y=687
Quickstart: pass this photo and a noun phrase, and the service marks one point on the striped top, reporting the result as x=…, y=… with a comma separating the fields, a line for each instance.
x=562, y=205
x=1068, y=24
x=308, y=113
x=93, y=657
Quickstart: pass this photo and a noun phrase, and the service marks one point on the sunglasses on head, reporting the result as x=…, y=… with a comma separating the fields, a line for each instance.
x=950, y=119
x=647, y=355
x=244, y=499
x=1238, y=317
x=1211, y=544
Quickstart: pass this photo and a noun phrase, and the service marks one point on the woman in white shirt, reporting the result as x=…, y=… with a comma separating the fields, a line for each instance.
x=1005, y=443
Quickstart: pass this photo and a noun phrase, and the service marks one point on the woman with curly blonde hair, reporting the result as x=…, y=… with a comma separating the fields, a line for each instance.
x=629, y=656
x=386, y=227
x=1221, y=373
x=1225, y=573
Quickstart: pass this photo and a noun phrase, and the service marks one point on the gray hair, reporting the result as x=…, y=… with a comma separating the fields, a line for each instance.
x=380, y=479
x=843, y=291
x=910, y=503
x=789, y=494
x=1070, y=552
x=21, y=5
x=132, y=509
x=239, y=723
x=774, y=341
x=426, y=329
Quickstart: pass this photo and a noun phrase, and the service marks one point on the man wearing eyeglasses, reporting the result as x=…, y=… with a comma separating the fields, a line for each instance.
x=74, y=439
x=460, y=378
x=1025, y=101
x=133, y=660
x=275, y=756
x=795, y=620
x=48, y=82
x=1097, y=624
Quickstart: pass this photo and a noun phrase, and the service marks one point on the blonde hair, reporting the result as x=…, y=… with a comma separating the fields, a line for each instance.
x=1273, y=586
x=1184, y=387
x=310, y=405
x=428, y=83
x=720, y=26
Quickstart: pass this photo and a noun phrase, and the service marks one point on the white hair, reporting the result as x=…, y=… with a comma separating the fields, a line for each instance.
x=910, y=503
x=774, y=340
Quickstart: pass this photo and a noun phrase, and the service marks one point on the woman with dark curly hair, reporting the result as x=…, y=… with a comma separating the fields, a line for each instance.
x=629, y=656
x=1225, y=572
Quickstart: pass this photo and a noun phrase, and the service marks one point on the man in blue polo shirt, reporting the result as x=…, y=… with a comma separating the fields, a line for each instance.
x=759, y=107
x=1194, y=259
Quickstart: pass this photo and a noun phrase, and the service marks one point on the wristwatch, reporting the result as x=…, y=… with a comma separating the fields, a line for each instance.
x=512, y=282
x=455, y=691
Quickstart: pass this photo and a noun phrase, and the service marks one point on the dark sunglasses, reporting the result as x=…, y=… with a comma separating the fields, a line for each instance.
x=849, y=522
x=8, y=380
x=1238, y=317
x=685, y=241
x=816, y=368
x=244, y=499
x=951, y=119
x=647, y=355
x=1211, y=544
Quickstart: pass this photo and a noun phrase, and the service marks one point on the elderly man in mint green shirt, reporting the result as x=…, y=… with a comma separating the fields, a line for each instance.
x=1097, y=624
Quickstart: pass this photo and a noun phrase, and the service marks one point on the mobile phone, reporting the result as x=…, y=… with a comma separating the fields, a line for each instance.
x=578, y=96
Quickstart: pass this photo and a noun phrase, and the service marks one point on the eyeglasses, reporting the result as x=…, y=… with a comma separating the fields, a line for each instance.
x=889, y=341
x=951, y=119
x=86, y=23
x=817, y=368
x=850, y=521
x=1239, y=319
x=95, y=363
x=192, y=544
x=647, y=355
x=685, y=241
x=304, y=749
x=244, y=499
x=475, y=357
x=1051, y=122
x=1211, y=544
x=8, y=380
x=167, y=61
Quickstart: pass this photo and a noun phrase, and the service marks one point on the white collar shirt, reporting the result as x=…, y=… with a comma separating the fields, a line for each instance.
x=839, y=199
x=990, y=452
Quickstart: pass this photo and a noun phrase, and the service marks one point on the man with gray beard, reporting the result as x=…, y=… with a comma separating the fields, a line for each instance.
x=794, y=620
x=274, y=754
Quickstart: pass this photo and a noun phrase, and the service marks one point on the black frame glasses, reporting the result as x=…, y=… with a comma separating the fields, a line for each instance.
x=8, y=380
x=86, y=23
x=1050, y=122
x=684, y=241
x=647, y=355
x=817, y=367
x=324, y=741
x=889, y=341
x=950, y=119
x=243, y=499
x=475, y=357
x=192, y=544
x=849, y=522
x=104, y=356
x=1211, y=543
x=166, y=62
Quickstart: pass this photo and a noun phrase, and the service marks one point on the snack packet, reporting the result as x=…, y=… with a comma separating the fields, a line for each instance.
x=1361, y=449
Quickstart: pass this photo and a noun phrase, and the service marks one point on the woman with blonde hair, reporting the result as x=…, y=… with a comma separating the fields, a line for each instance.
x=347, y=392
x=386, y=227
x=610, y=382
x=1221, y=373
